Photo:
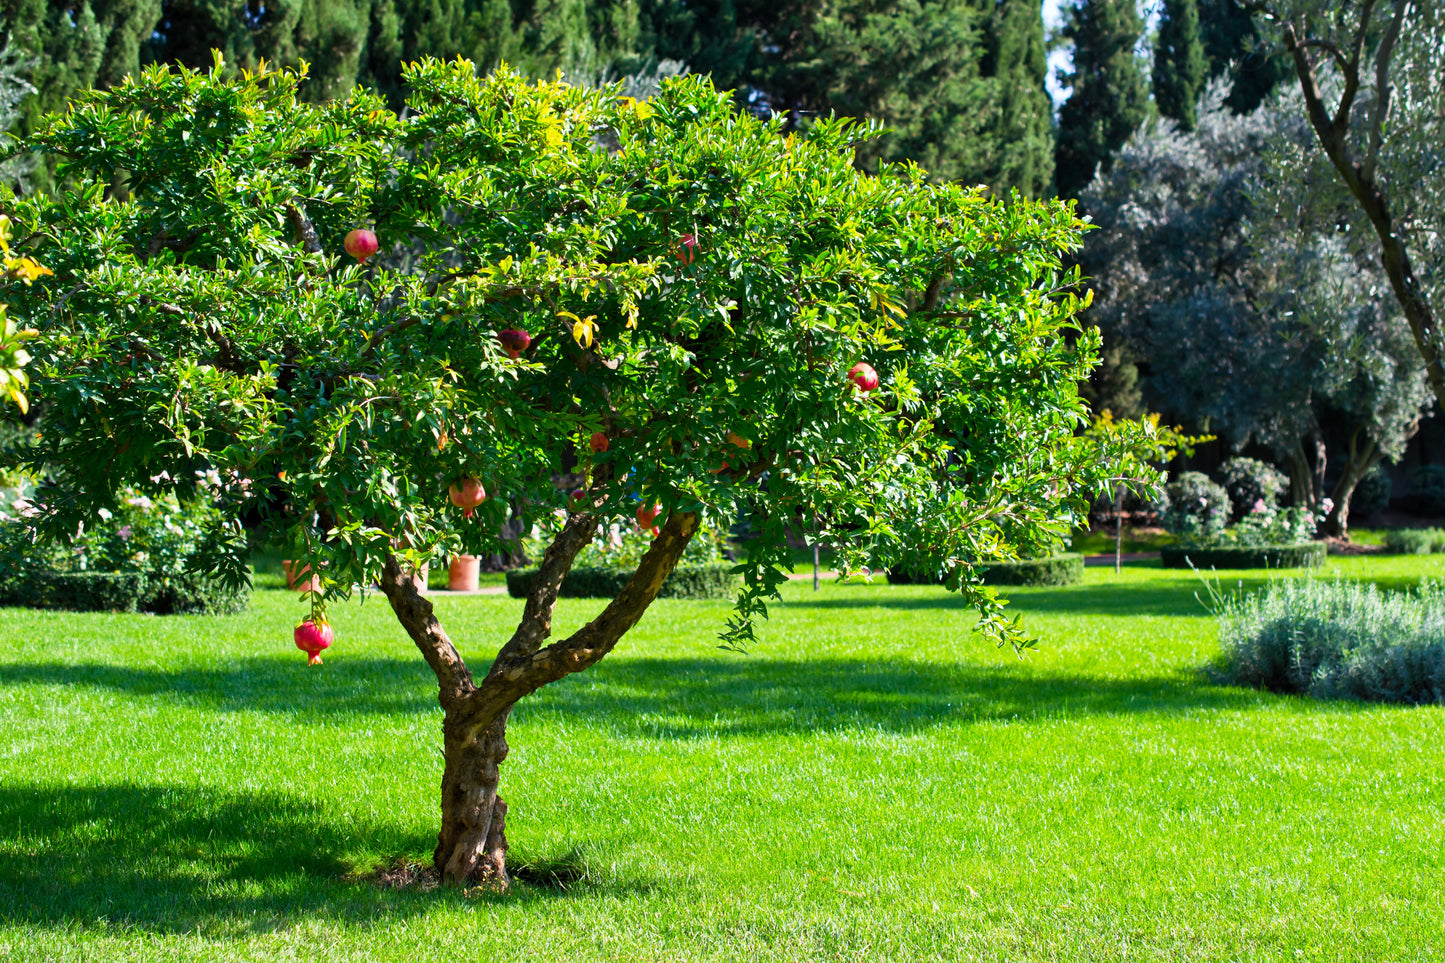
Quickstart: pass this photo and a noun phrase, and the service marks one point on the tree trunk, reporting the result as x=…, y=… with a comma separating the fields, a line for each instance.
x=1307, y=462
x=1337, y=523
x=472, y=843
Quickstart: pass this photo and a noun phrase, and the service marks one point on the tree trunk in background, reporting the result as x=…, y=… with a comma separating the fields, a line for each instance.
x=1337, y=523
x=1307, y=471
x=472, y=843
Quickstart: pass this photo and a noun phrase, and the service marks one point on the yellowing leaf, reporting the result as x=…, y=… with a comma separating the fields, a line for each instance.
x=26, y=268
x=584, y=330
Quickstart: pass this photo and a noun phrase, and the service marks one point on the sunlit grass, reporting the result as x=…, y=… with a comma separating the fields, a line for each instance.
x=871, y=782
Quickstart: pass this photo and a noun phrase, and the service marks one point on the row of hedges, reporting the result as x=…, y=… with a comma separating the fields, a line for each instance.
x=1306, y=555
x=1065, y=569
x=123, y=592
x=588, y=582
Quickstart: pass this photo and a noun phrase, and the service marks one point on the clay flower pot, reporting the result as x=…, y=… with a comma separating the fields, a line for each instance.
x=295, y=572
x=463, y=572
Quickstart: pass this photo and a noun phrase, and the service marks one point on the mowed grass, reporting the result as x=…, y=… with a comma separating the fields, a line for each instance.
x=871, y=782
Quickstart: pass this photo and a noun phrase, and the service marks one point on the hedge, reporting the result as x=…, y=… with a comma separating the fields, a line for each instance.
x=1065, y=569
x=123, y=592
x=1307, y=555
x=686, y=582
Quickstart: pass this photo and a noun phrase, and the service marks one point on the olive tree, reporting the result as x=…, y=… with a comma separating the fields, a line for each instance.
x=665, y=297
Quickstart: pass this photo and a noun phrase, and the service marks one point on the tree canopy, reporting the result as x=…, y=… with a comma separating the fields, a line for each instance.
x=556, y=265
x=1109, y=95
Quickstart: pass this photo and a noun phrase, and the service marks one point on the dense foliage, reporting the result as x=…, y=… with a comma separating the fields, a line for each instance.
x=1109, y=93
x=1179, y=62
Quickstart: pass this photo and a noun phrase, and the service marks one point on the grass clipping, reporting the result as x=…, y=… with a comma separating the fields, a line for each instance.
x=1338, y=640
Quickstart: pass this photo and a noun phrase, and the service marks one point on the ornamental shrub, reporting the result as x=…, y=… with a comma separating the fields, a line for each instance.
x=1251, y=483
x=1195, y=508
x=1301, y=555
x=1414, y=541
x=1427, y=488
x=1339, y=640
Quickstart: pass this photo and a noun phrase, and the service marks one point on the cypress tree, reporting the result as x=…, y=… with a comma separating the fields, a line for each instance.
x=1234, y=45
x=1020, y=132
x=1179, y=65
x=1109, y=97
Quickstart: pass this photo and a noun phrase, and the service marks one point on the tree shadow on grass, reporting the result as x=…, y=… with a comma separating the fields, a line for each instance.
x=1167, y=597
x=185, y=859
x=754, y=696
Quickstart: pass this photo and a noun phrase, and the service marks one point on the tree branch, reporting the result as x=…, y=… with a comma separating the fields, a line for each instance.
x=454, y=679
x=520, y=668
x=1381, y=107
x=1351, y=71
x=305, y=230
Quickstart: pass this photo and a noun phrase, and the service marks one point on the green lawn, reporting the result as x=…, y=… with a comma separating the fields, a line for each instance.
x=872, y=782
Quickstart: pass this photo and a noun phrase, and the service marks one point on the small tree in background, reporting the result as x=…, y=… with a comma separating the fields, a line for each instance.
x=669, y=298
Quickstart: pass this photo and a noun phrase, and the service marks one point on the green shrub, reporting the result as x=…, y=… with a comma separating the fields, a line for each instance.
x=1064, y=569
x=1195, y=508
x=1305, y=555
x=685, y=582
x=1372, y=494
x=1415, y=541
x=1250, y=483
x=1339, y=640
x=123, y=592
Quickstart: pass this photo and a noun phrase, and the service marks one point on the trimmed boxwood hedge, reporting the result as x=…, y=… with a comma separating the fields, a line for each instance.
x=1065, y=569
x=122, y=592
x=584, y=582
x=1307, y=555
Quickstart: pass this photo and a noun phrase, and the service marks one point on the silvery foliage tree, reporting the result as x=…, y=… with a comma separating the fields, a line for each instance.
x=1369, y=77
x=13, y=89
x=1252, y=321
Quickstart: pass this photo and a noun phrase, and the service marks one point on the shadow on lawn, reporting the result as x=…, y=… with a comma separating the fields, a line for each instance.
x=674, y=697
x=183, y=859
x=1170, y=597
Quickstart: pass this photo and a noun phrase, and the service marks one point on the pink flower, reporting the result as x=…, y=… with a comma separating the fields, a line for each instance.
x=124, y=533
x=1258, y=505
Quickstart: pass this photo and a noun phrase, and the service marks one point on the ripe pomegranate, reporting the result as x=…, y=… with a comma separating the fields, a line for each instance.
x=311, y=637
x=467, y=494
x=361, y=244
x=578, y=499
x=686, y=248
x=514, y=341
x=647, y=517
x=864, y=378
x=599, y=442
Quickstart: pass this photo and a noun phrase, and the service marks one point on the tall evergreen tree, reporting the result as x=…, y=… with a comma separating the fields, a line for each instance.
x=1109, y=95
x=1234, y=46
x=1179, y=64
x=1020, y=131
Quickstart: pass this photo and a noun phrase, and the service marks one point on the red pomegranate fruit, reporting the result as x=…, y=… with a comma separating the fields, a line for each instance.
x=864, y=378
x=687, y=248
x=311, y=637
x=467, y=494
x=647, y=517
x=739, y=440
x=577, y=500
x=599, y=442
x=514, y=341
x=361, y=244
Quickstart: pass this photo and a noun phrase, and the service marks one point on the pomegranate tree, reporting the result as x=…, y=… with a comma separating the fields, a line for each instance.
x=369, y=402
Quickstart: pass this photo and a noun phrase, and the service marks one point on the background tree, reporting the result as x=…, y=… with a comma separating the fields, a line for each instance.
x=1109, y=96
x=1257, y=327
x=1369, y=75
x=702, y=277
x=1179, y=65
x=1239, y=50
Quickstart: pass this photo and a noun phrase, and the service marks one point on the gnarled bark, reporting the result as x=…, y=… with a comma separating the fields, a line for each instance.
x=472, y=843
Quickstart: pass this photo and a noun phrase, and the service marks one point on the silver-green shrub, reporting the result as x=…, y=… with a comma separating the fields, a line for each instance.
x=1339, y=640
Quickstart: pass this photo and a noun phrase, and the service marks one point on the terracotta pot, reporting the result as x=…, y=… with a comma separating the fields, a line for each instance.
x=293, y=574
x=462, y=574
x=418, y=578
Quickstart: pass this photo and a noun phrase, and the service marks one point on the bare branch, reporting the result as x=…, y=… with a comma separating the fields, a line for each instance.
x=1380, y=110
x=305, y=230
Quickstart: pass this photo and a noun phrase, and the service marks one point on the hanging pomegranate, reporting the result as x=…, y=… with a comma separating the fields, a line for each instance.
x=467, y=494
x=864, y=378
x=313, y=635
x=686, y=248
x=598, y=442
x=647, y=518
x=514, y=341
x=361, y=244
